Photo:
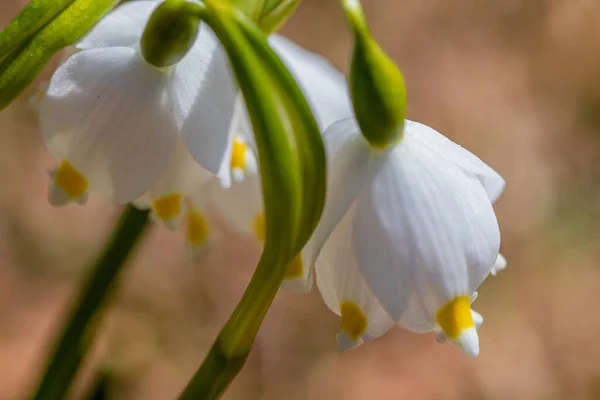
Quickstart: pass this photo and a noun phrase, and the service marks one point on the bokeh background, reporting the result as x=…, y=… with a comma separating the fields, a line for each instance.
x=515, y=81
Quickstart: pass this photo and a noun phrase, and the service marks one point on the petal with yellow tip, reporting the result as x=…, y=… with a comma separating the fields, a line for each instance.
x=106, y=111
x=425, y=233
x=345, y=291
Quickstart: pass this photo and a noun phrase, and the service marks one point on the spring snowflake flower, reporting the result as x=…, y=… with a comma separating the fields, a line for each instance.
x=114, y=121
x=411, y=234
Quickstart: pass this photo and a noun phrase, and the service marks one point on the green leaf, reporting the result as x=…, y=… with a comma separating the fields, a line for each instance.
x=34, y=16
x=21, y=67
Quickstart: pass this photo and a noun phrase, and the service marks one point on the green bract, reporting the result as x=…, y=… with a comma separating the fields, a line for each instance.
x=376, y=84
x=19, y=68
x=169, y=34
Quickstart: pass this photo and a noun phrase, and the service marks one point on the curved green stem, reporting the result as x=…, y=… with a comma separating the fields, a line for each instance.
x=79, y=332
x=290, y=176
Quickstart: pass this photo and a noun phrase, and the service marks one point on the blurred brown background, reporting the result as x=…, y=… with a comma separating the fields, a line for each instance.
x=515, y=81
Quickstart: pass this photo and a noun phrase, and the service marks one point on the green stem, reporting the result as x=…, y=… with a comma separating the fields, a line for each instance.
x=100, y=388
x=228, y=355
x=79, y=332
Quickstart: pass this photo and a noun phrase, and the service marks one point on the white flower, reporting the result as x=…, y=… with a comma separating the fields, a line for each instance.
x=114, y=121
x=409, y=232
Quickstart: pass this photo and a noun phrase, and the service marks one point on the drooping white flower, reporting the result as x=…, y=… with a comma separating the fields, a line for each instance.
x=114, y=121
x=410, y=232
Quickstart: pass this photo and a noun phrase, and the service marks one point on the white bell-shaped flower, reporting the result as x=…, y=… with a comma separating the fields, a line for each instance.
x=417, y=221
x=113, y=121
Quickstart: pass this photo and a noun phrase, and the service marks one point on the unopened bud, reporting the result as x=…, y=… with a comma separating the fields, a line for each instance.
x=169, y=34
x=376, y=84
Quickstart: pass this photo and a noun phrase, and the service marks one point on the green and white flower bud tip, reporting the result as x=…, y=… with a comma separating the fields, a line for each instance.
x=376, y=84
x=169, y=33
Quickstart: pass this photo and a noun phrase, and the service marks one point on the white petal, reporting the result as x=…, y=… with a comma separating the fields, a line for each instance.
x=340, y=281
x=345, y=342
x=499, y=265
x=57, y=196
x=323, y=85
x=468, y=341
x=240, y=156
x=122, y=27
x=241, y=204
x=166, y=197
x=425, y=234
x=203, y=92
x=441, y=337
x=447, y=149
x=106, y=112
x=351, y=164
x=182, y=175
x=199, y=227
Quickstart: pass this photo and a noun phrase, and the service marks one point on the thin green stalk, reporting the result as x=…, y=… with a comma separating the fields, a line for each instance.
x=79, y=332
x=100, y=388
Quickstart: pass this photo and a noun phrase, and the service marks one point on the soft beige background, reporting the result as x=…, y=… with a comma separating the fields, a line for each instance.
x=515, y=81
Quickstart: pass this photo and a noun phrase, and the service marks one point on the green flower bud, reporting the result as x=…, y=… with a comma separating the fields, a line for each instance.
x=170, y=33
x=376, y=84
x=275, y=13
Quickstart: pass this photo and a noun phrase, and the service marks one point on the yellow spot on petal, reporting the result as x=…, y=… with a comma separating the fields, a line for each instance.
x=198, y=228
x=455, y=317
x=238, y=154
x=295, y=268
x=168, y=207
x=70, y=180
x=260, y=229
x=354, y=321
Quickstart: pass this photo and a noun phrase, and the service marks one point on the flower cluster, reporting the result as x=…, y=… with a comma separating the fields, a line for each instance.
x=408, y=232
